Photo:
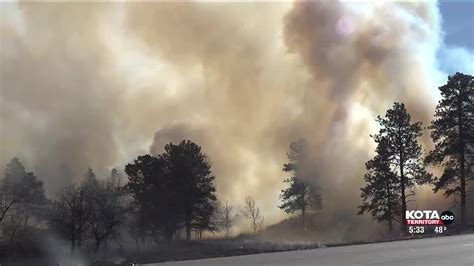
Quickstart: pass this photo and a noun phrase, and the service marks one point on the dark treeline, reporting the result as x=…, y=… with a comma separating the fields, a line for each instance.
x=164, y=195
x=399, y=164
x=92, y=210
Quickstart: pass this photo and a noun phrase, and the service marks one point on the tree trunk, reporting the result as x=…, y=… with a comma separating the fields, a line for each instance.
x=79, y=238
x=137, y=243
x=188, y=226
x=303, y=215
x=404, y=203
x=168, y=237
x=389, y=207
x=303, y=207
x=97, y=245
x=462, y=165
x=188, y=232
x=12, y=237
x=463, y=194
x=72, y=235
x=73, y=243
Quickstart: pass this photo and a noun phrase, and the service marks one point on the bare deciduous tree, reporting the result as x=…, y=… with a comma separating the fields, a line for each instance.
x=227, y=218
x=70, y=215
x=252, y=212
x=105, y=204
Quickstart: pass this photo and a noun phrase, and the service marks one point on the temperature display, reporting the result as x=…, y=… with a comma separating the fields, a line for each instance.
x=440, y=229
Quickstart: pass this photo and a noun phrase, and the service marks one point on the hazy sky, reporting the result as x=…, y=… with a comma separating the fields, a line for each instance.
x=95, y=85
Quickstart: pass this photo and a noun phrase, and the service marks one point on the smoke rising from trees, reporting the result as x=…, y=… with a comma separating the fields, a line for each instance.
x=106, y=82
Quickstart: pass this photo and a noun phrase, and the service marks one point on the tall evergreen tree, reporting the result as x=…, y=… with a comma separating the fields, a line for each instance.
x=193, y=179
x=452, y=131
x=300, y=195
x=405, y=151
x=381, y=196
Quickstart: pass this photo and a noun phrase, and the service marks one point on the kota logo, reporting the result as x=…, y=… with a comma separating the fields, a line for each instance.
x=426, y=214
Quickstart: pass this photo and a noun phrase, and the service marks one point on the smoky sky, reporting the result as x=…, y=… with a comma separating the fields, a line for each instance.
x=95, y=85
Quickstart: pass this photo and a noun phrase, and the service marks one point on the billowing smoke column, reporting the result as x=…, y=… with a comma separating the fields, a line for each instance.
x=367, y=53
x=324, y=77
x=244, y=80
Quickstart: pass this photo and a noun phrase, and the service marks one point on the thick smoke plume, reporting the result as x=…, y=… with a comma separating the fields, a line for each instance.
x=94, y=85
x=57, y=95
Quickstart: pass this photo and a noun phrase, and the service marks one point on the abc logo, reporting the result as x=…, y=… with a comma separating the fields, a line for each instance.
x=447, y=217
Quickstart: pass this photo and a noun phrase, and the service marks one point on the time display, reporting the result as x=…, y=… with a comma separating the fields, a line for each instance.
x=416, y=229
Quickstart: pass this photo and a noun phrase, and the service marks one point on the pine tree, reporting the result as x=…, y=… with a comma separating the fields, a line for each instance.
x=193, y=183
x=300, y=195
x=453, y=135
x=381, y=196
x=405, y=151
x=174, y=190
